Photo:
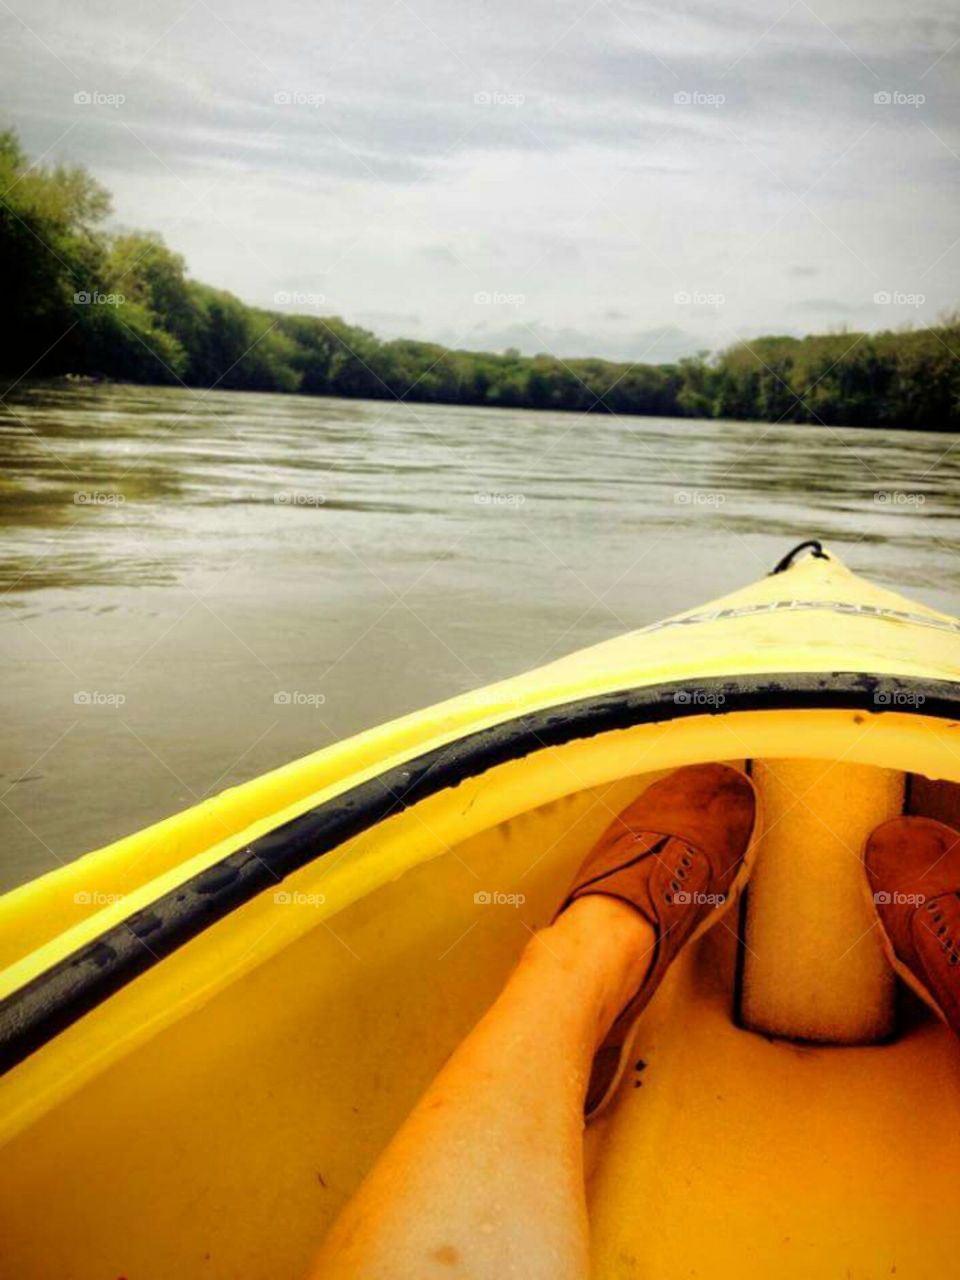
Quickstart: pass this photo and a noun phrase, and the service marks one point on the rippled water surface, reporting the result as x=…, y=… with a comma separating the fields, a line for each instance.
x=175, y=565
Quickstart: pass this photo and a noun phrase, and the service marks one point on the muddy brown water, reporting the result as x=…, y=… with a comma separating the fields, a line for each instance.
x=201, y=587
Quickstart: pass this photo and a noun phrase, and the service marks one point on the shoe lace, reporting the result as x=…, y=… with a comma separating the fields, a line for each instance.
x=941, y=929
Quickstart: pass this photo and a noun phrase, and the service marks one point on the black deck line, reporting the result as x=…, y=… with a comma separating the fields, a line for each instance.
x=57, y=998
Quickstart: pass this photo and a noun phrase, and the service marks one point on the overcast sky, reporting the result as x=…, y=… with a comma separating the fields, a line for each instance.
x=610, y=177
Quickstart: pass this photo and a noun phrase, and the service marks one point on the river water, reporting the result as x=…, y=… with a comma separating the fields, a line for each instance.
x=199, y=587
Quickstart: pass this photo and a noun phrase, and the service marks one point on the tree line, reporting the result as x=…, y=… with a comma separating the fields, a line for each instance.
x=83, y=300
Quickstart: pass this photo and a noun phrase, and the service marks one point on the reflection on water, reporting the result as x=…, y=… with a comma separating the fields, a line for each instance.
x=199, y=555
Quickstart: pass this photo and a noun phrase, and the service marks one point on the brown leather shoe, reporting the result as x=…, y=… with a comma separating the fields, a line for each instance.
x=913, y=873
x=679, y=854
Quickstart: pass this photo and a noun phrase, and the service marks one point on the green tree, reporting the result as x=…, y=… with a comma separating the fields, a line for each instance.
x=86, y=300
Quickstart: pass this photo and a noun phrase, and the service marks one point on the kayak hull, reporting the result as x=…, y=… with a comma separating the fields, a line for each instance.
x=206, y=1107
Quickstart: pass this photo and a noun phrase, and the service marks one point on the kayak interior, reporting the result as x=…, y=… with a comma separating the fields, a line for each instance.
x=211, y=1116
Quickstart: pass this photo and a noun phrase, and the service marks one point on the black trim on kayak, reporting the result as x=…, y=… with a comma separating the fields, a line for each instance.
x=816, y=550
x=61, y=995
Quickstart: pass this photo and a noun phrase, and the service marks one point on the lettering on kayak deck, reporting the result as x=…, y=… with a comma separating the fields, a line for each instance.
x=807, y=606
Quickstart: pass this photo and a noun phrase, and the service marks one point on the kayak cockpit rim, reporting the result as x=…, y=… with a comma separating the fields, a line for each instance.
x=58, y=997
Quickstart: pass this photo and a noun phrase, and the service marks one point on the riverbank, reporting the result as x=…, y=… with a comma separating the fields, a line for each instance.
x=91, y=303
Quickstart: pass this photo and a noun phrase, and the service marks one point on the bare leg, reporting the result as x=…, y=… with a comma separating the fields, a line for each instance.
x=485, y=1177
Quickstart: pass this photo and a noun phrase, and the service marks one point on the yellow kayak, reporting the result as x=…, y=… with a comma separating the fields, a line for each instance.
x=211, y=1028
